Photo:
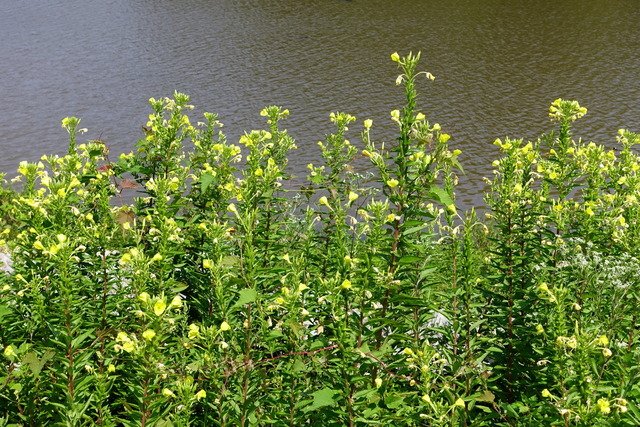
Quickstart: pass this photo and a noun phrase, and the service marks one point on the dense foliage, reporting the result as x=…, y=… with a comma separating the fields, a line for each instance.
x=227, y=295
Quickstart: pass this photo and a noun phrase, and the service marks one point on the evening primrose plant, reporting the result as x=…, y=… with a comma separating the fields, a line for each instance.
x=225, y=295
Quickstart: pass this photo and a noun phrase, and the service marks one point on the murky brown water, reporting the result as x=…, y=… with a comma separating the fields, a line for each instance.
x=498, y=65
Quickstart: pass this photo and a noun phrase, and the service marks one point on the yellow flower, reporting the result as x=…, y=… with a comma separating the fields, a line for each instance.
x=176, y=302
x=546, y=393
x=603, y=406
x=392, y=183
x=207, y=263
x=194, y=331
x=111, y=368
x=167, y=393
x=395, y=57
x=368, y=123
x=224, y=326
x=9, y=351
x=201, y=395
x=390, y=218
x=606, y=352
x=128, y=346
x=159, y=307
x=122, y=337
x=603, y=341
x=540, y=329
x=144, y=297
x=425, y=398
x=352, y=196
x=459, y=403
x=378, y=382
x=149, y=334
x=346, y=284
x=323, y=201
x=38, y=245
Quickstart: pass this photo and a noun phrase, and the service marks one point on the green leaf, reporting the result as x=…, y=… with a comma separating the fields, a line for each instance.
x=4, y=310
x=205, y=181
x=440, y=195
x=393, y=401
x=246, y=296
x=324, y=397
x=230, y=260
x=409, y=259
x=414, y=229
x=487, y=396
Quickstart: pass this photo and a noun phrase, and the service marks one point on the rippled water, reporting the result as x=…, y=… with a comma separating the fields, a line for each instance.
x=498, y=65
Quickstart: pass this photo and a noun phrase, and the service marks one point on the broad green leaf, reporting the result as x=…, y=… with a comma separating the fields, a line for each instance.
x=245, y=296
x=230, y=260
x=440, y=195
x=4, y=310
x=487, y=396
x=31, y=359
x=205, y=181
x=324, y=397
x=409, y=259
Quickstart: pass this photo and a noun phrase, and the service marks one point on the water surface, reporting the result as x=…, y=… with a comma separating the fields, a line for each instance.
x=498, y=65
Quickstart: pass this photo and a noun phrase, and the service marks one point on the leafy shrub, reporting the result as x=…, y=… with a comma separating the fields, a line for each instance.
x=223, y=296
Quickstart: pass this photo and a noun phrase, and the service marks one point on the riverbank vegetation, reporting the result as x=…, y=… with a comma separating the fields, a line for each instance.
x=226, y=296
